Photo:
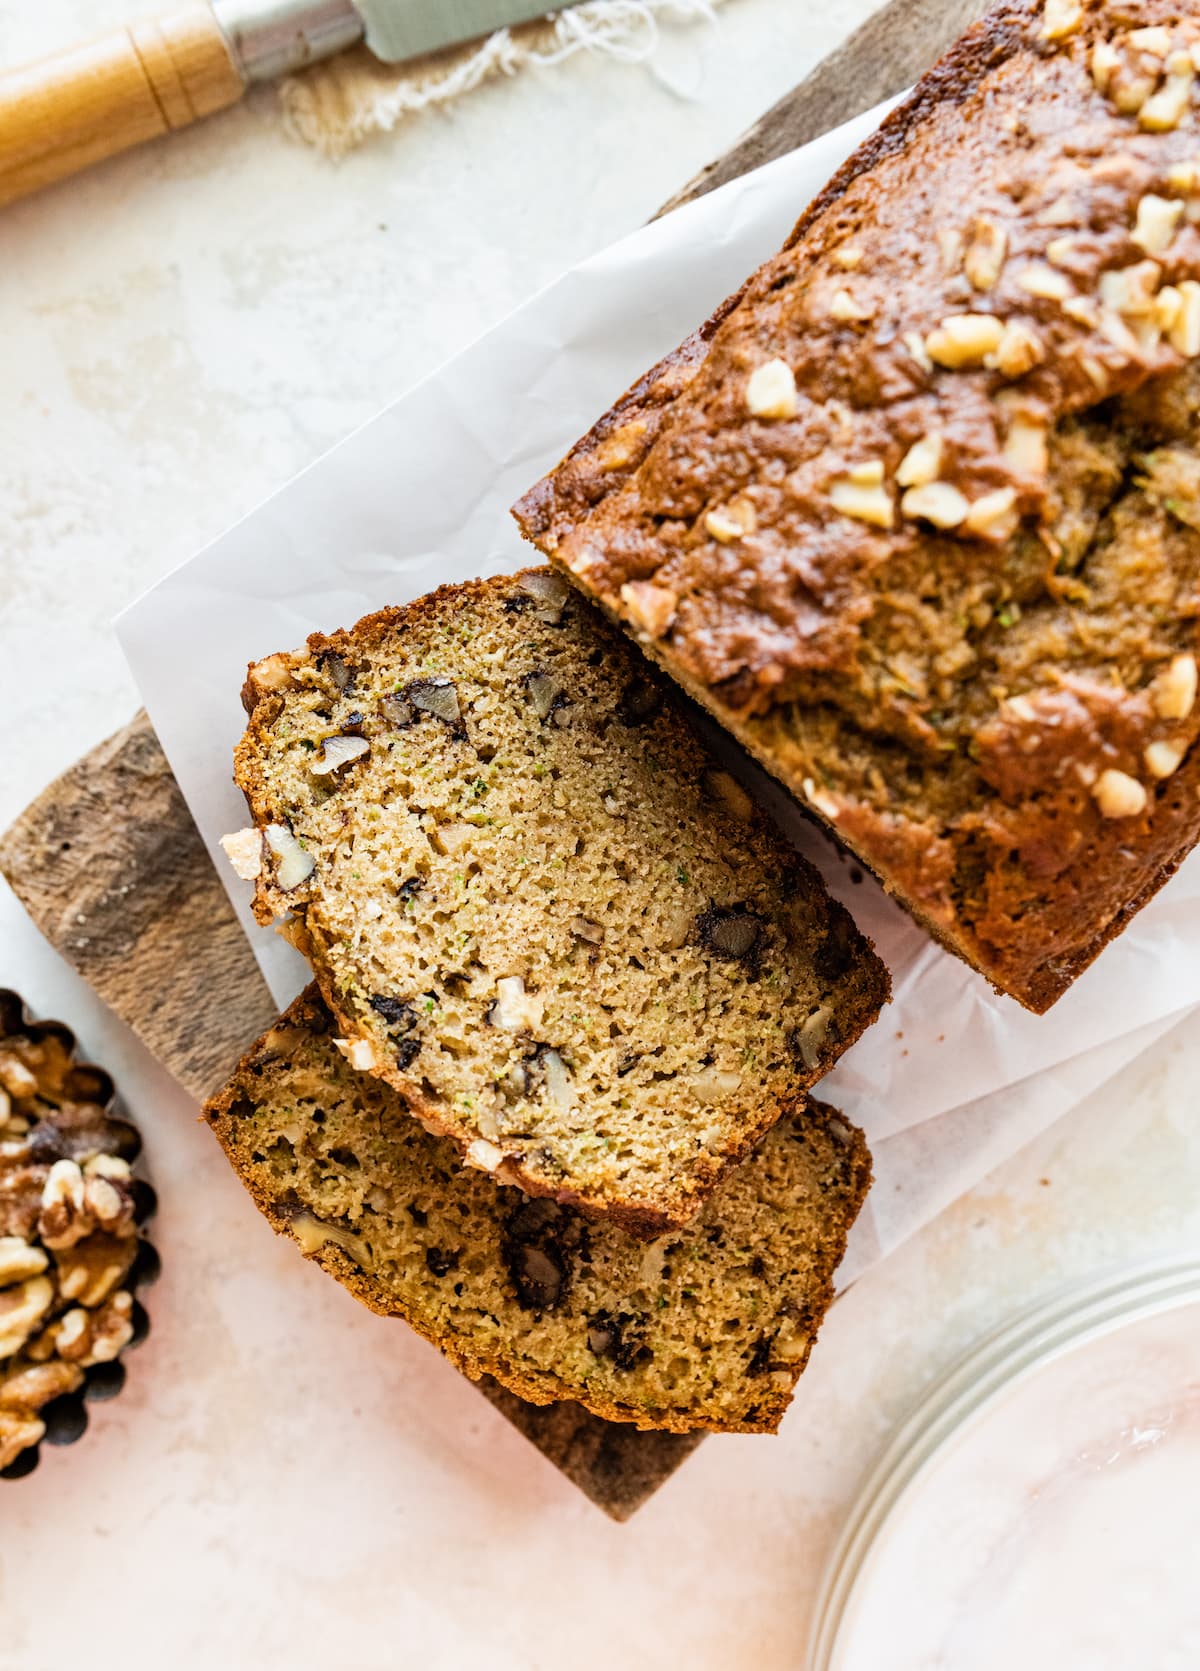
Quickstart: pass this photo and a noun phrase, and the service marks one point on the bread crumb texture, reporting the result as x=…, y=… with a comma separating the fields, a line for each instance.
x=535, y=906
x=956, y=611
x=705, y=1328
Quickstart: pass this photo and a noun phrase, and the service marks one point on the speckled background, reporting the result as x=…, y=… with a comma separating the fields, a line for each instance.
x=288, y=1481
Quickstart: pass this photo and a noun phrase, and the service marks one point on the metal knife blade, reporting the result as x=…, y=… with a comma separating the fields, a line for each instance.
x=276, y=37
x=400, y=29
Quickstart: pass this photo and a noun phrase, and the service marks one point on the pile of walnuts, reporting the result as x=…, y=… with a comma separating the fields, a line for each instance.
x=68, y=1229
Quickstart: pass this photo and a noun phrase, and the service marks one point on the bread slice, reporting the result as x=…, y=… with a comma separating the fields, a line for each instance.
x=916, y=516
x=534, y=907
x=708, y=1328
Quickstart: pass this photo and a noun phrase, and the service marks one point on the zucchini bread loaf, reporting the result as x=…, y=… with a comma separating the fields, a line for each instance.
x=917, y=514
x=534, y=907
x=709, y=1328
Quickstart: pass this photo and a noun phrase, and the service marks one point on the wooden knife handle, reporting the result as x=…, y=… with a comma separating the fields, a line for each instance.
x=77, y=108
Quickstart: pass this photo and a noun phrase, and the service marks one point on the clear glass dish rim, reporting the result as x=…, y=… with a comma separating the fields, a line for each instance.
x=1073, y=1315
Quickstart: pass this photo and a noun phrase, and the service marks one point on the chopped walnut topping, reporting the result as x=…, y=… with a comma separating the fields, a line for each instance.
x=915, y=343
x=1096, y=372
x=771, y=391
x=862, y=495
x=1118, y=795
x=994, y=516
x=1106, y=60
x=1165, y=109
x=1025, y=446
x=1060, y=250
x=622, y=446
x=731, y=522
x=984, y=259
x=1083, y=310
x=651, y=608
x=1130, y=291
x=1163, y=758
x=1168, y=305
x=1162, y=109
x=1184, y=177
x=723, y=528
x=1114, y=329
x=1184, y=331
x=1040, y=279
x=1060, y=212
x=1130, y=90
x=964, y=339
x=1020, y=349
x=848, y=257
x=1157, y=221
x=1174, y=691
x=922, y=462
x=1155, y=40
x=844, y=308
x=950, y=244
x=1060, y=19
x=936, y=502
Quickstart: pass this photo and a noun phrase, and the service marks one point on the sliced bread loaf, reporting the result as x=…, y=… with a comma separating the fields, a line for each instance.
x=708, y=1328
x=534, y=907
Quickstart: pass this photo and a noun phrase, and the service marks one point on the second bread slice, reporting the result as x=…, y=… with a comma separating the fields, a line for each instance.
x=532, y=904
x=710, y=1328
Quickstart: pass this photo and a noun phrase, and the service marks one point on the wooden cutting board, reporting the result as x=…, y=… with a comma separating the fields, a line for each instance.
x=111, y=867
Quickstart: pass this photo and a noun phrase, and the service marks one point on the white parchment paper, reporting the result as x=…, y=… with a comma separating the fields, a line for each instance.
x=420, y=496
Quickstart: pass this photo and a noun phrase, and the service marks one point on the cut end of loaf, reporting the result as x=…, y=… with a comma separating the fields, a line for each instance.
x=536, y=907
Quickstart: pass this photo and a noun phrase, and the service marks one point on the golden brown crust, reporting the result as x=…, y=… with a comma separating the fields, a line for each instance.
x=1020, y=186
x=263, y=699
x=308, y=1013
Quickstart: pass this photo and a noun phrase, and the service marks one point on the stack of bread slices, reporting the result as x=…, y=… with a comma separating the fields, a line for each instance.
x=546, y=1098
x=916, y=517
